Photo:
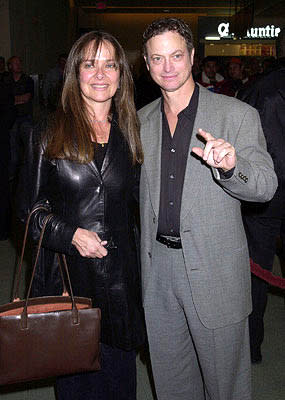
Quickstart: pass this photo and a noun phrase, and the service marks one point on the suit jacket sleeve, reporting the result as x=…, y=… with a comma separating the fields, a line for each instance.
x=254, y=178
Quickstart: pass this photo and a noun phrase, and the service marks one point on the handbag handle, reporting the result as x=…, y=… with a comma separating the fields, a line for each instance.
x=20, y=265
x=74, y=310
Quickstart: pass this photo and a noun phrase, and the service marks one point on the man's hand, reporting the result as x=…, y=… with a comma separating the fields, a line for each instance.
x=217, y=153
x=89, y=244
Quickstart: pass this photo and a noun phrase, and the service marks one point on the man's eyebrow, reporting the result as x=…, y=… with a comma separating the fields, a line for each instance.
x=174, y=52
x=178, y=51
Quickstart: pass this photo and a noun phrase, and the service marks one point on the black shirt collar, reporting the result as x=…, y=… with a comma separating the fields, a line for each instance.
x=190, y=110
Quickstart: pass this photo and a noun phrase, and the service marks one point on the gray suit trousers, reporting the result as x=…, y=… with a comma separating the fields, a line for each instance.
x=189, y=361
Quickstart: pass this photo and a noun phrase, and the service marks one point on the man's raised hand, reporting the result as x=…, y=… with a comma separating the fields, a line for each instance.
x=217, y=152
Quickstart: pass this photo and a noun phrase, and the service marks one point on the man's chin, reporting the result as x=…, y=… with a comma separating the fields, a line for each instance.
x=169, y=88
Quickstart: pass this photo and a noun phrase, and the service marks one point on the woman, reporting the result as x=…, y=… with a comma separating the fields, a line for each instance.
x=84, y=169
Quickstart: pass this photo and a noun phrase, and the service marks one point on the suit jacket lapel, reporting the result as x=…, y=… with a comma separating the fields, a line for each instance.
x=152, y=139
x=193, y=179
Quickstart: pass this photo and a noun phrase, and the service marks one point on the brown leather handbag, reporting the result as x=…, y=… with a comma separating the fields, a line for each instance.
x=47, y=336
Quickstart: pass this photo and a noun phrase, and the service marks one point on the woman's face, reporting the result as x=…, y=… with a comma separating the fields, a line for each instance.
x=99, y=76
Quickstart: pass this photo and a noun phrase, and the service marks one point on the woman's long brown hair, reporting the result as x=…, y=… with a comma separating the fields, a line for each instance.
x=69, y=134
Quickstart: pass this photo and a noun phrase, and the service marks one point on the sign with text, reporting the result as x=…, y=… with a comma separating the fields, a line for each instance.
x=267, y=32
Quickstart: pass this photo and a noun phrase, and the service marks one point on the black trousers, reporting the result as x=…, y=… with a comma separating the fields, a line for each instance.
x=115, y=381
x=261, y=235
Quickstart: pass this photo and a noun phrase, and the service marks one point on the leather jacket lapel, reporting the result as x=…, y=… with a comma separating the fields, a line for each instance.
x=114, y=144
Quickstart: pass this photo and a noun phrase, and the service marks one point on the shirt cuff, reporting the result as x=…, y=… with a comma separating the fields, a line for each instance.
x=226, y=174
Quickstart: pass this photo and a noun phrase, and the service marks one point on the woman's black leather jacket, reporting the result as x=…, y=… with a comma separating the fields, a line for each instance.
x=79, y=195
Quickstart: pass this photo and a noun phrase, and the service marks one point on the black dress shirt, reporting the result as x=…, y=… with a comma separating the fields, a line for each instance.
x=174, y=154
x=99, y=154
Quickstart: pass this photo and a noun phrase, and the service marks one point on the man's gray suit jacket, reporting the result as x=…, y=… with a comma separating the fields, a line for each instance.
x=213, y=239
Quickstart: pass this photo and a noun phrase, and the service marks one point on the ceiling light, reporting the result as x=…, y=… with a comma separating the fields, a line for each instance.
x=212, y=38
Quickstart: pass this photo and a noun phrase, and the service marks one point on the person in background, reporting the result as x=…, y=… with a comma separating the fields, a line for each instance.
x=23, y=87
x=211, y=79
x=203, y=154
x=265, y=223
x=269, y=64
x=237, y=76
x=83, y=166
x=253, y=68
x=52, y=85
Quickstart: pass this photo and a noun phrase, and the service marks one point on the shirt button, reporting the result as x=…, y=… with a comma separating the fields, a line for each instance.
x=171, y=203
x=172, y=150
x=171, y=176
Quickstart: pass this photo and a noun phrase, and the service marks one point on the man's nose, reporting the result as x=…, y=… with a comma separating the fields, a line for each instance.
x=168, y=66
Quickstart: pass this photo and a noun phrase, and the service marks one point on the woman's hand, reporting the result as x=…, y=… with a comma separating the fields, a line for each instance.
x=89, y=244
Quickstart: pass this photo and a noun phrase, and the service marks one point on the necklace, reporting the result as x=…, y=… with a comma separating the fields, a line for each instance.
x=102, y=121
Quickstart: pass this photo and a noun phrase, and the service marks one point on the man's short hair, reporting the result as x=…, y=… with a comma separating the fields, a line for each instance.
x=209, y=59
x=159, y=26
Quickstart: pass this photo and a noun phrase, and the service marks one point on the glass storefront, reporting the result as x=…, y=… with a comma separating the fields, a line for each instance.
x=236, y=49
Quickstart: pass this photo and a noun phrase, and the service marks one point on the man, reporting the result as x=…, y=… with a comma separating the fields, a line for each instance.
x=265, y=223
x=211, y=79
x=195, y=262
x=237, y=77
x=53, y=83
x=23, y=93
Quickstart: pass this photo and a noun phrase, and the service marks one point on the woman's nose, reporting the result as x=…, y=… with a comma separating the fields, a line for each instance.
x=99, y=72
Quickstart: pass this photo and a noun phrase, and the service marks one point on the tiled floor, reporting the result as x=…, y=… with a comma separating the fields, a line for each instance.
x=268, y=378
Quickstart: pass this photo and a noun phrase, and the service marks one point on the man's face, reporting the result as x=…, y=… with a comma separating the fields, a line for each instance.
x=15, y=65
x=235, y=71
x=168, y=61
x=210, y=69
